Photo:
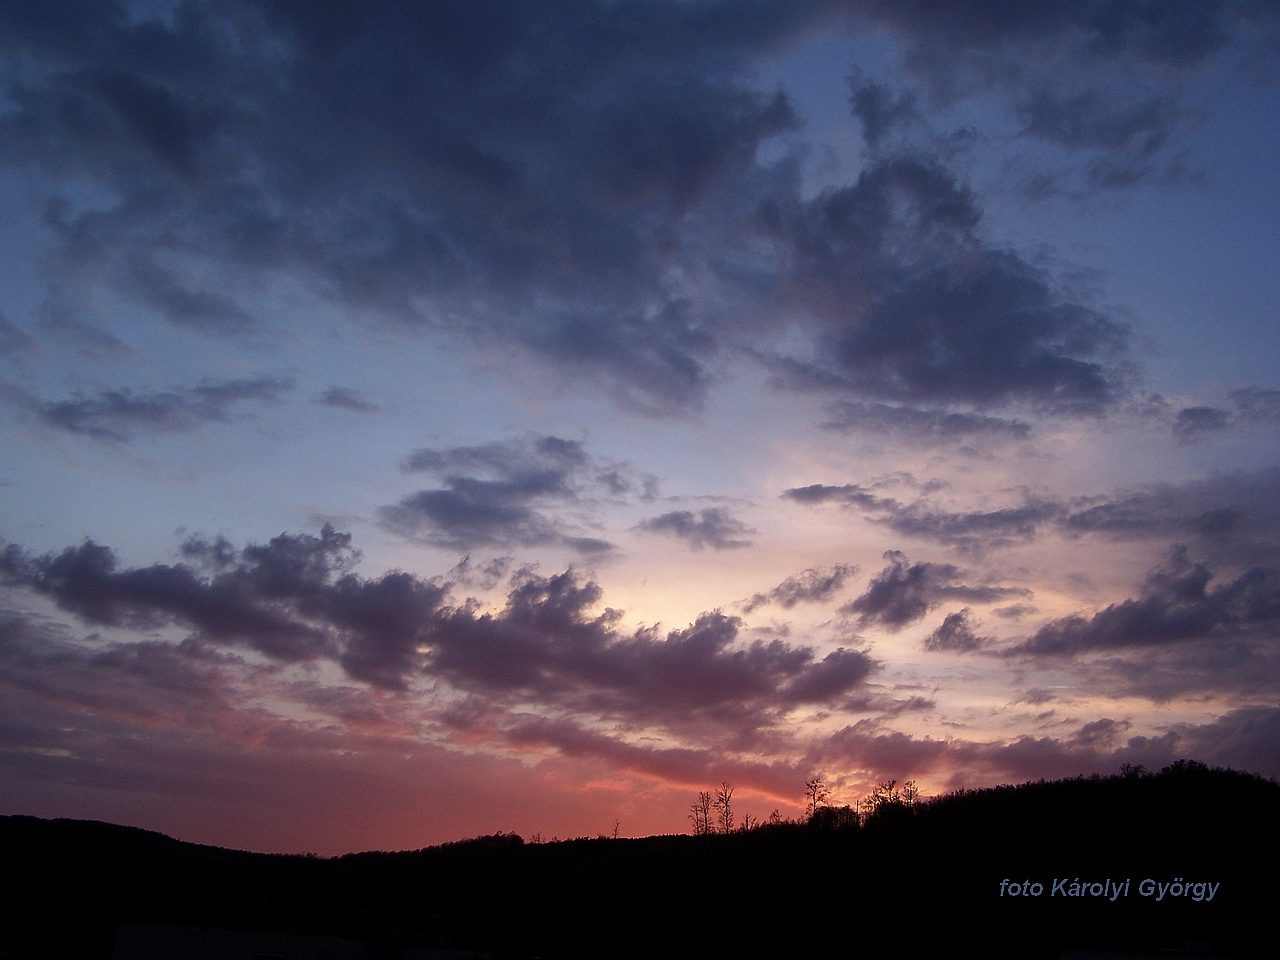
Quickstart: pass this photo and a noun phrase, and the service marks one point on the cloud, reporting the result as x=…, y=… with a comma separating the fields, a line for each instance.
x=544, y=461
x=183, y=302
x=148, y=681
x=814, y=585
x=682, y=765
x=550, y=642
x=1192, y=422
x=1257, y=405
x=1232, y=518
x=1253, y=406
x=879, y=108
x=913, y=308
x=903, y=593
x=711, y=527
x=1176, y=606
x=1086, y=120
x=63, y=321
x=1179, y=33
x=1111, y=88
x=497, y=494
x=246, y=603
x=955, y=633
x=923, y=425
x=453, y=174
x=1125, y=132
x=551, y=668
x=973, y=530
x=15, y=342
x=296, y=600
x=118, y=416
x=1241, y=738
x=345, y=398
x=455, y=178
x=850, y=494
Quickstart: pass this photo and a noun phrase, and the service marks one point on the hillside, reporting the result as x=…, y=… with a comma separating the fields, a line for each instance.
x=910, y=880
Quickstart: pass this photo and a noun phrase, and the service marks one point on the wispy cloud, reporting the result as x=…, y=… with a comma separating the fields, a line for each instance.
x=713, y=527
x=121, y=415
x=505, y=494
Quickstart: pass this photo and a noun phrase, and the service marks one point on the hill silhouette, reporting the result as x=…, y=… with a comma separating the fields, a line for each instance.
x=913, y=880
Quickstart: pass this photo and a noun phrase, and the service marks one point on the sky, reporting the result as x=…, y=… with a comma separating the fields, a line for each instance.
x=422, y=420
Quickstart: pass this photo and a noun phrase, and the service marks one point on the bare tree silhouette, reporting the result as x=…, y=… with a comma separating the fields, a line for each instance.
x=723, y=805
x=815, y=789
x=700, y=814
x=910, y=793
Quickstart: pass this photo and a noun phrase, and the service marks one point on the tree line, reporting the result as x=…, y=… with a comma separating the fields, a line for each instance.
x=712, y=811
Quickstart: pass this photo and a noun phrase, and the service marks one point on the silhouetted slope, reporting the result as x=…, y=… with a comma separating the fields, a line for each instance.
x=912, y=880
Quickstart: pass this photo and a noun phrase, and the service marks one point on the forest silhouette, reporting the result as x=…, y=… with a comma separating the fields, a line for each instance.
x=905, y=875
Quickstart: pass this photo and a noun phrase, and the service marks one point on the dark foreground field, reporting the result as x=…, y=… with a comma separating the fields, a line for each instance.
x=921, y=881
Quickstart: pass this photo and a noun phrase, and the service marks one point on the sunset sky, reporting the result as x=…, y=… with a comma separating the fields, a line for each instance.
x=419, y=420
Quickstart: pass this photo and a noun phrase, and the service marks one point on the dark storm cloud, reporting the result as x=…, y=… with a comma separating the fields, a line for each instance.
x=497, y=493
x=711, y=527
x=120, y=415
x=955, y=633
x=465, y=167
x=903, y=592
x=814, y=585
x=345, y=398
x=1176, y=605
x=296, y=600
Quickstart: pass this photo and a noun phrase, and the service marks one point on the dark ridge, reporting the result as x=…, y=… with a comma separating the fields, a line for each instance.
x=916, y=880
